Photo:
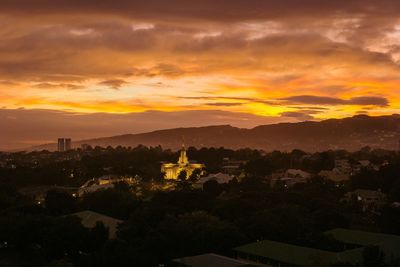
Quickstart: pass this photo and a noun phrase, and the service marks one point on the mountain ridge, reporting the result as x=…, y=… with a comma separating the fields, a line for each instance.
x=350, y=133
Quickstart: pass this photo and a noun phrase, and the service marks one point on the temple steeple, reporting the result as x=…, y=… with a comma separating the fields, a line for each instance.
x=183, y=159
x=172, y=170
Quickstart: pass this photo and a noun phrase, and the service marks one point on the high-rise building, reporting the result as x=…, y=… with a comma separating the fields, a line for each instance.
x=64, y=144
x=398, y=139
x=398, y=146
x=67, y=144
x=61, y=144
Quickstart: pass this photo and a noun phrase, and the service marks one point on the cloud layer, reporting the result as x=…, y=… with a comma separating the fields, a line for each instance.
x=297, y=59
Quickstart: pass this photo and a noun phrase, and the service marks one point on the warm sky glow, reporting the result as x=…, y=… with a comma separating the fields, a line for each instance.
x=275, y=61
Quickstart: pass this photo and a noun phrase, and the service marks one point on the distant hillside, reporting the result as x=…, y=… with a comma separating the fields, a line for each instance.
x=349, y=133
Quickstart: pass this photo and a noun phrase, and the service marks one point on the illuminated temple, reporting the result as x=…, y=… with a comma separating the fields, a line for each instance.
x=172, y=170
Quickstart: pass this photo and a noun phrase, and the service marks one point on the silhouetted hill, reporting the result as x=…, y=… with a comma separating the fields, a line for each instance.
x=350, y=133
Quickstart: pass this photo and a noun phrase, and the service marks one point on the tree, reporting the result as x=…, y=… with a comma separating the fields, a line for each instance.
x=194, y=233
x=65, y=236
x=195, y=175
x=122, y=186
x=258, y=167
x=98, y=236
x=59, y=202
x=389, y=221
x=160, y=177
x=8, y=195
x=111, y=202
x=373, y=257
x=183, y=183
x=212, y=187
x=182, y=176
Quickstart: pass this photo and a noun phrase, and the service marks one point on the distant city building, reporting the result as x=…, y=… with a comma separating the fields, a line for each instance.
x=398, y=146
x=334, y=175
x=64, y=144
x=343, y=165
x=290, y=177
x=61, y=144
x=68, y=144
x=172, y=170
x=233, y=166
x=364, y=163
x=369, y=199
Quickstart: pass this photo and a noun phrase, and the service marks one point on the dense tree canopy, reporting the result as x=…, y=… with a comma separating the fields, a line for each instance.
x=160, y=225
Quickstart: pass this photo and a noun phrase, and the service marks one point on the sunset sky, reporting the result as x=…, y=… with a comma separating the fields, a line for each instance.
x=90, y=68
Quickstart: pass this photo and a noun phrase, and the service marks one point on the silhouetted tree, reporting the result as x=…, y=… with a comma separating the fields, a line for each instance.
x=373, y=257
x=182, y=176
x=195, y=175
x=212, y=187
x=59, y=202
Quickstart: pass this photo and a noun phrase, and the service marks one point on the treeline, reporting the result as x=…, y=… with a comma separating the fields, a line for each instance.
x=73, y=168
x=161, y=226
x=183, y=222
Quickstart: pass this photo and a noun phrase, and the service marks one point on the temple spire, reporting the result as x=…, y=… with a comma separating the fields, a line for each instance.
x=172, y=170
x=183, y=159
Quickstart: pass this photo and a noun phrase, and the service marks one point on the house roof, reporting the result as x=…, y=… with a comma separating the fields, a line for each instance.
x=90, y=218
x=297, y=172
x=297, y=255
x=334, y=175
x=212, y=260
x=360, y=237
x=95, y=187
x=221, y=178
x=364, y=193
x=390, y=244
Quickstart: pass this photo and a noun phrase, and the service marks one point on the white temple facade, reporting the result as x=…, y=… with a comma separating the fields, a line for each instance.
x=172, y=170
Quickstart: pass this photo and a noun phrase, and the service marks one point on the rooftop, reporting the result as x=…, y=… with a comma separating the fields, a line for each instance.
x=297, y=255
x=212, y=260
x=221, y=178
x=90, y=218
x=361, y=237
x=390, y=244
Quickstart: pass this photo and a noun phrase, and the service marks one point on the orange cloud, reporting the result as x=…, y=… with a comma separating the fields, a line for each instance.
x=203, y=55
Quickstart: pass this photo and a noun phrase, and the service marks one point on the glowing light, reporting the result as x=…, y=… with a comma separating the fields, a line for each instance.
x=142, y=26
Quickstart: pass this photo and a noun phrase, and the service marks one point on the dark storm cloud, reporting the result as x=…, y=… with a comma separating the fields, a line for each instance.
x=368, y=100
x=316, y=109
x=243, y=100
x=223, y=104
x=85, y=49
x=300, y=56
x=114, y=84
x=304, y=99
x=58, y=85
x=323, y=100
x=315, y=100
x=216, y=98
x=219, y=10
